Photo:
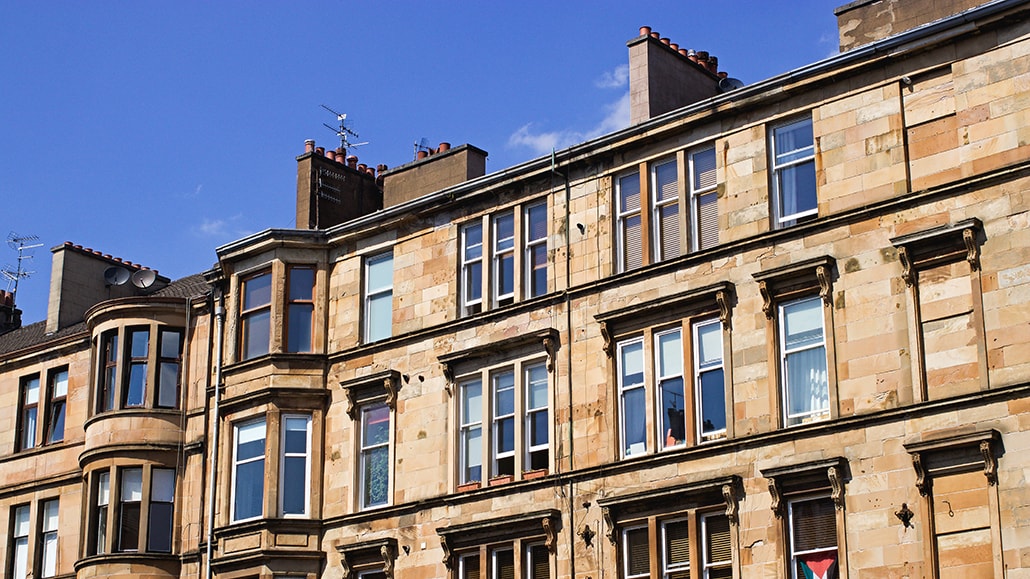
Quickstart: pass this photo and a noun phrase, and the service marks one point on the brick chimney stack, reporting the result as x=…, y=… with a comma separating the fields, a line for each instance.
x=10, y=316
x=664, y=77
x=333, y=188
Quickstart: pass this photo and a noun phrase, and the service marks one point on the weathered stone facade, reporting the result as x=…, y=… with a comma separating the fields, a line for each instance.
x=573, y=379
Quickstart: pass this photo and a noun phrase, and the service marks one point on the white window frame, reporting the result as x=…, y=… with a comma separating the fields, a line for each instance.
x=103, y=507
x=625, y=389
x=658, y=232
x=125, y=484
x=624, y=215
x=495, y=571
x=468, y=266
x=463, y=564
x=284, y=455
x=667, y=568
x=660, y=379
x=367, y=449
x=807, y=155
x=155, y=500
x=532, y=411
x=374, y=294
x=697, y=191
x=236, y=463
x=502, y=257
x=48, y=537
x=700, y=369
x=531, y=245
x=626, y=552
x=21, y=522
x=497, y=387
x=793, y=554
x=531, y=561
x=785, y=352
x=29, y=412
x=489, y=419
x=708, y=564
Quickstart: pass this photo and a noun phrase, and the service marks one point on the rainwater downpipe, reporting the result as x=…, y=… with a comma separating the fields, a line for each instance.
x=213, y=444
x=568, y=376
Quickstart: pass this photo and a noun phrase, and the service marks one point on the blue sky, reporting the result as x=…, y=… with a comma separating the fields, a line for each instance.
x=157, y=131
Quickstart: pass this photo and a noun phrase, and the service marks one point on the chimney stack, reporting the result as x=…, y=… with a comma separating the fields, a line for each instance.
x=332, y=188
x=664, y=77
x=10, y=316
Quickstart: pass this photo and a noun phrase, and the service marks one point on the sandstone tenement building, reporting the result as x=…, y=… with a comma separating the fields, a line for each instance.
x=776, y=330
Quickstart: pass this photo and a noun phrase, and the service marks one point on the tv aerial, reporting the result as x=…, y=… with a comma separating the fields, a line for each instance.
x=343, y=131
x=21, y=244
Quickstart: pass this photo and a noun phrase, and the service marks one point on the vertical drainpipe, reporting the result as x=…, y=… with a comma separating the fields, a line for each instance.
x=216, y=421
x=568, y=377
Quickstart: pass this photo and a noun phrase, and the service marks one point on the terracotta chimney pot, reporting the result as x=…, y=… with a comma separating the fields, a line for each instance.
x=330, y=154
x=309, y=145
x=320, y=151
x=645, y=30
x=444, y=146
x=352, y=162
x=655, y=35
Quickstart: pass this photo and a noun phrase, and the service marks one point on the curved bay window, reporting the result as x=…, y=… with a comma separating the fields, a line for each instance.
x=139, y=367
x=131, y=510
x=276, y=311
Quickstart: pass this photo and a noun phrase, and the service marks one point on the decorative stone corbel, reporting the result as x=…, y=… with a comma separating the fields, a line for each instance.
x=550, y=534
x=448, y=556
x=448, y=375
x=607, y=337
x=836, y=487
x=922, y=481
x=387, y=555
x=907, y=273
x=822, y=273
x=722, y=299
x=767, y=300
x=345, y=564
x=352, y=404
x=551, y=348
x=731, y=503
x=990, y=462
x=390, y=385
x=609, y=525
x=777, y=498
x=972, y=249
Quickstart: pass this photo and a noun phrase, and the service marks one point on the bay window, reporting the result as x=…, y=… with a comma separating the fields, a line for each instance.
x=131, y=371
x=295, y=463
x=143, y=520
x=248, y=470
x=255, y=315
x=300, y=308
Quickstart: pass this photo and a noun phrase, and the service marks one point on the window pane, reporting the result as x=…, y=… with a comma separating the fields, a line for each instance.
x=380, y=272
x=256, y=334
x=505, y=274
x=473, y=453
x=132, y=485
x=299, y=330
x=539, y=565
x=632, y=246
x=505, y=231
x=159, y=528
x=503, y=564
x=629, y=193
x=380, y=316
x=257, y=291
x=249, y=490
x=669, y=232
x=129, y=509
x=536, y=218
x=468, y=567
x=709, y=344
x=139, y=343
x=474, y=282
x=376, y=429
x=538, y=270
x=713, y=401
x=670, y=354
x=708, y=221
x=162, y=485
x=676, y=545
x=634, y=419
x=250, y=441
x=137, y=385
x=472, y=402
x=673, y=418
x=814, y=537
x=636, y=553
x=170, y=344
x=302, y=283
x=294, y=474
x=376, y=469
x=803, y=323
x=797, y=188
x=168, y=390
x=703, y=165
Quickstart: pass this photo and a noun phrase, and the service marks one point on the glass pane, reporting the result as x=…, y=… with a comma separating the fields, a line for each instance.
x=807, y=391
x=375, y=429
x=670, y=354
x=21, y=521
x=168, y=386
x=634, y=421
x=112, y=347
x=256, y=334
x=677, y=544
x=506, y=274
x=814, y=524
x=713, y=402
x=665, y=181
x=674, y=424
x=50, y=509
x=295, y=482
x=709, y=344
x=29, y=428
x=536, y=386
x=536, y=222
x=380, y=272
x=539, y=565
x=128, y=526
x=473, y=455
x=469, y=567
x=299, y=331
x=504, y=394
x=302, y=283
x=49, y=562
x=803, y=323
x=21, y=557
x=249, y=491
x=538, y=270
x=797, y=188
x=139, y=343
x=473, y=242
x=538, y=427
x=296, y=434
x=632, y=363
x=473, y=281
x=703, y=164
x=505, y=435
x=159, y=528
x=504, y=231
x=636, y=553
x=250, y=440
x=137, y=385
x=718, y=546
x=380, y=316
x=162, y=485
x=60, y=384
x=629, y=193
x=132, y=485
x=170, y=344
x=376, y=470
x=792, y=140
x=103, y=488
x=32, y=391
x=472, y=402
x=257, y=291
x=632, y=245
x=670, y=231
x=708, y=220
x=503, y=564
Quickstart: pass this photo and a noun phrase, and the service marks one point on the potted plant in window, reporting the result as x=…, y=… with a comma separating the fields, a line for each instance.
x=501, y=479
x=468, y=486
x=534, y=474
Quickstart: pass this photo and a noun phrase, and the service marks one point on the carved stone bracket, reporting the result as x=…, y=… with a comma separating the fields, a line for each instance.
x=551, y=347
x=907, y=273
x=990, y=462
x=550, y=534
x=722, y=298
x=732, y=506
x=379, y=386
x=390, y=384
x=606, y=335
x=448, y=375
x=387, y=554
x=972, y=249
x=767, y=299
x=609, y=526
x=448, y=554
x=822, y=273
x=777, y=498
x=922, y=481
x=836, y=486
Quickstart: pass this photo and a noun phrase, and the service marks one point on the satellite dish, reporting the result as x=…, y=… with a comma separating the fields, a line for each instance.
x=115, y=275
x=144, y=278
x=727, y=84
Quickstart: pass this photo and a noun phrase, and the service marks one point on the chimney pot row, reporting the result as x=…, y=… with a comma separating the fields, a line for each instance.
x=700, y=57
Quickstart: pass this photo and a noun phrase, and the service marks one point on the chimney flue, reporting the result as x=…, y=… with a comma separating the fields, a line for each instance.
x=309, y=145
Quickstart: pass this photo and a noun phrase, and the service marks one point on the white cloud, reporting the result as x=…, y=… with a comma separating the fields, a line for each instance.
x=617, y=78
x=220, y=228
x=616, y=117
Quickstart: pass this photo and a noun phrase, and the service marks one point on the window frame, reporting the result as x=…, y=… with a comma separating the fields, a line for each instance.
x=471, y=295
x=48, y=537
x=125, y=507
x=235, y=517
x=531, y=245
x=699, y=191
x=366, y=451
x=285, y=454
x=372, y=294
x=27, y=435
x=18, y=543
x=793, y=551
x=624, y=217
x=152, y=512
x=659, y=234
x=784, y=352
x=296, y=304
x=700, y=368
x=133, y=362
x=99, y=515
x=106, y=531
x=163, y=362
x=502, y=258
x=107, y=374
x=114, y=363
x=257, y=310
x=487, y=425
x=777, y=169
